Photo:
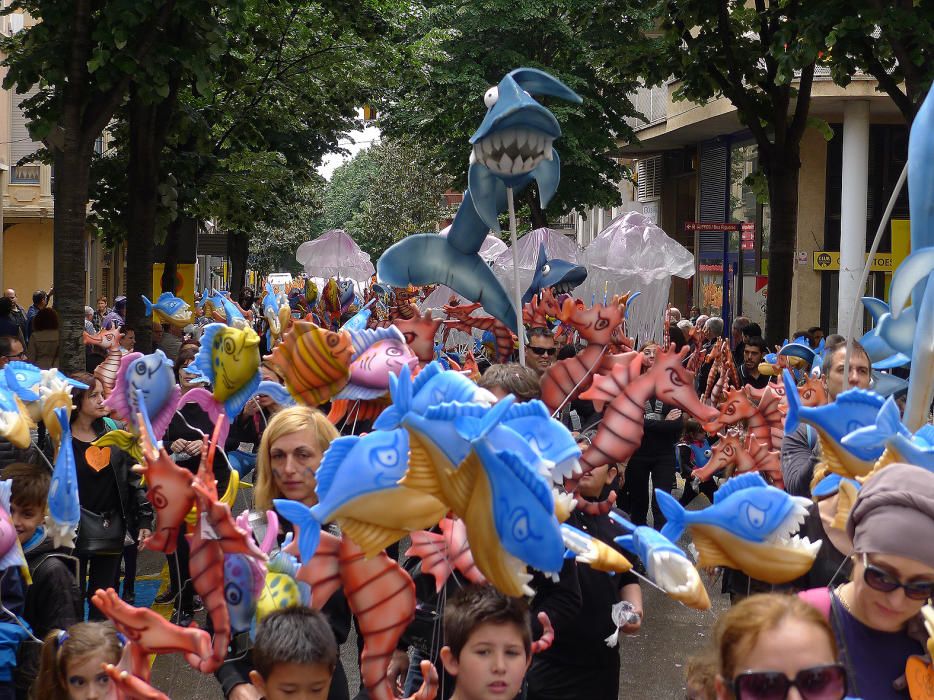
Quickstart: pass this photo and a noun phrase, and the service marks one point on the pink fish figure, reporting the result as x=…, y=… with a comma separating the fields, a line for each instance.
x=441, y=554
x=378, y=353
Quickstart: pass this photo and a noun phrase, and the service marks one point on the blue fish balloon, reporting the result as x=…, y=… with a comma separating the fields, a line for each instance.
x=667, y=566
x=557, y=274
x=232, y=314
x=151, y=376
x=243, y=584
x=169, y=308
x=64, y=507
x=851, y=410
x=749, y=527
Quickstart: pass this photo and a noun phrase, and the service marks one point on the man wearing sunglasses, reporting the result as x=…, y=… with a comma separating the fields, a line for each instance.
x=876, y=615
x=540, y=351
x=11, y=349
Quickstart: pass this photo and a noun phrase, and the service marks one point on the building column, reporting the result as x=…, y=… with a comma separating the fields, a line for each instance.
x=853, y=200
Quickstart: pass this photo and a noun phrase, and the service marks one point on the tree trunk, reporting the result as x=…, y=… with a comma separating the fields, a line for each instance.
x=71, y=201
x=148, y=125
x=238, y=251
x=782, y=172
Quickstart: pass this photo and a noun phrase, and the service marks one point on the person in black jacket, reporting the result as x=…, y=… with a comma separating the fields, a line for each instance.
x=53, y=600
x=655, y=458
x=111, y=495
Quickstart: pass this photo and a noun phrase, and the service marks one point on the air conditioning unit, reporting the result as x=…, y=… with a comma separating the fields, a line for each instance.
x=649, y=178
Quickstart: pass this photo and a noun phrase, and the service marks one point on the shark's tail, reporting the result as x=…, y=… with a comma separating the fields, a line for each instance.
x=148, y=305
x=309, y=529
x=672, y=510
x=794, y=402
x=428, y=258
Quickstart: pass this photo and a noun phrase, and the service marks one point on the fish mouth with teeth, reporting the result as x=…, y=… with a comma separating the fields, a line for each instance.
x=513, y=151
x=780, y=558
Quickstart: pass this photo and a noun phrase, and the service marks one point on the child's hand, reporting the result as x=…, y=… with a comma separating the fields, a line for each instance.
x=398, y=668
x=244, y=691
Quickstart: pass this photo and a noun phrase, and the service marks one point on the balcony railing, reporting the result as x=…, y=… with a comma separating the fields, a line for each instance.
x=652, y=103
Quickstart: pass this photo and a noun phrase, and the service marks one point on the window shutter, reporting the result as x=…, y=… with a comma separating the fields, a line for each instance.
x=21, y=145
x=713, y=194
x=649, y=172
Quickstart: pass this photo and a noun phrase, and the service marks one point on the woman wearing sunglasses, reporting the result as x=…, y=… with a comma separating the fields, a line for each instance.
x=772, y=647
x=876, y=616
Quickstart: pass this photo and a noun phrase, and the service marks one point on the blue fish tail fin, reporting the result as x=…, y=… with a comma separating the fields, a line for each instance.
x=674, y=512
x=309, y=528
x=474, y=429
x=627, y=542
x=621, y=521
x=148, y=305
x=794, y=402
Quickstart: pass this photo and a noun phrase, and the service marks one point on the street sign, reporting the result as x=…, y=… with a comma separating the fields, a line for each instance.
x=828, y=260
x=705, y=226
x=749, y=245
x=748, y=235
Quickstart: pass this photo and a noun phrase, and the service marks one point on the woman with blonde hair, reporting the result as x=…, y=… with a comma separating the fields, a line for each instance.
x=773, y=646
x=290, y=453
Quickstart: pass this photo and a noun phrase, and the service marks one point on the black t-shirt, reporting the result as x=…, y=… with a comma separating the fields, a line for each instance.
x=97, y=489
x=759, y=382
x=581, y=640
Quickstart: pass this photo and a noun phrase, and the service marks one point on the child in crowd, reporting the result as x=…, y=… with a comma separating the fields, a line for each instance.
x=294, y=655
x=701, y=676
x=53, y=601
x=488, y=643
x=693, y=452
x=71, y=667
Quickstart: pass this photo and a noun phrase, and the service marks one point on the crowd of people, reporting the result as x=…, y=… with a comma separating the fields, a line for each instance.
x=847, y=628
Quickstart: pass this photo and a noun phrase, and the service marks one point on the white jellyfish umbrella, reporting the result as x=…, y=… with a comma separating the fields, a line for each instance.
x=335, y=254
x=633, y=254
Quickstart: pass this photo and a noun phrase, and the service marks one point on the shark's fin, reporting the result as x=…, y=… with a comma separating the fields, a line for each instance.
x=487, y=193
x=794, y=402
x=537, y=82
x=548, y=174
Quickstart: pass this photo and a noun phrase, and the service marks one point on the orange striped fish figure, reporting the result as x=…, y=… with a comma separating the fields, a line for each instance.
x=315, y=361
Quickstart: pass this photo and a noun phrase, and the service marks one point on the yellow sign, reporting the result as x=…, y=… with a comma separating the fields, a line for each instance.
x=184, y=281
x=825, y=260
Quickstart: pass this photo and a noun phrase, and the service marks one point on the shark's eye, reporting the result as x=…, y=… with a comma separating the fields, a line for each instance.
x=707, y=453
x=756, y=516
x=546, y=268
x=520, y=526
x=491, y=96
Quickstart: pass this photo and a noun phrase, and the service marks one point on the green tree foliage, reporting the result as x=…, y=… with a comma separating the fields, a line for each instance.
x=273, y=245
x=460, y=48
x=385, y=193
x=891, y=40
x=761, y=57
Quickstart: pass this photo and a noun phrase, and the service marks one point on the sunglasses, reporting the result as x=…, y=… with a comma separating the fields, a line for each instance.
x=20, y=356
x=816, y=683
x=543, y=351
x=881, y=580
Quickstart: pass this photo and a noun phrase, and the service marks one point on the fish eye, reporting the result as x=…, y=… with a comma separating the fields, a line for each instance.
x=601, y=324
x=707, y=453
x=546, y=268
x=393, y=352
x=756, y=516
x=491, y=97
x=520, y=527
x=232, y=594
x=140, y=369
x=228, y=345
x=388, y=458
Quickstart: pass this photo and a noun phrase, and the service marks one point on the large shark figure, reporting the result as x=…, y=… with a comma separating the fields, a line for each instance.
x=561, y=275
x=512, y=147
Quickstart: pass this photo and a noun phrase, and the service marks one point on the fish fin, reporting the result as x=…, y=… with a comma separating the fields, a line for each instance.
x=234, y=404
x=674, y=512
x=358, y=393
x=486, y=192
x=794, y=402
x=627, y=542
x=460, y=483
x=333, y=458
x=148, y=305
x=627, y=525
x=372, y=539
x=301, y=517
x=429, y=372
x=203, y=358
x=471, y=429
x=751, y=480
x=451, y=410
x=548, y=174
x=528, y=409
x=824, y=485
x=421, y=474
x=846, y=498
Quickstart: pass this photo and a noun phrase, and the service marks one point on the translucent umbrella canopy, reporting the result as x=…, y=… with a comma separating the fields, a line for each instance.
x=557, y=245
x=335, y=254
x=633, y=254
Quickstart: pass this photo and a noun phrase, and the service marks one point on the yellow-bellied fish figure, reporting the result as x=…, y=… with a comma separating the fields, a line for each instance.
x=229, y=358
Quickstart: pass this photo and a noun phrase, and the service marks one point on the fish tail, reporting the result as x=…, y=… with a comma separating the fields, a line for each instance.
x=674, y=512
x=148, y=305
x=309, y=529
x=794, y=402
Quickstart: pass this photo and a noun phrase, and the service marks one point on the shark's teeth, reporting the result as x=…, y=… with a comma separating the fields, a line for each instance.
x=565, y=469
x=513, y=151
